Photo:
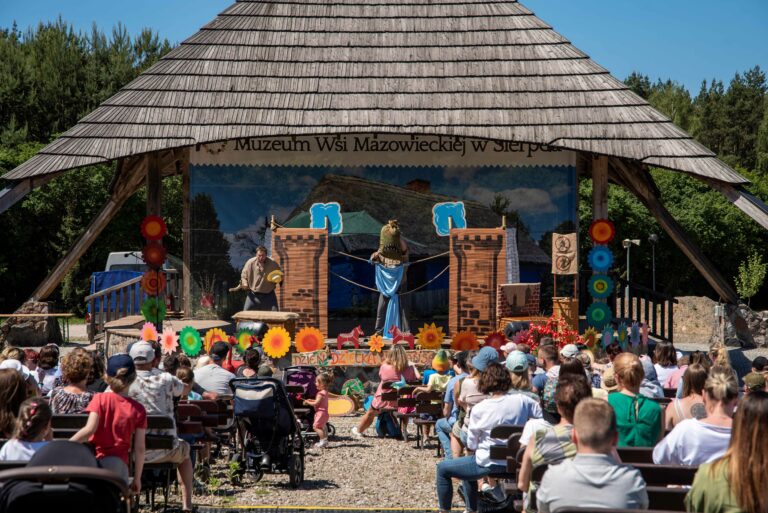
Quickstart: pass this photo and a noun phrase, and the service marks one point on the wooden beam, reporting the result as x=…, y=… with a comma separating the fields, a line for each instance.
x=640, y=183
x=154, y=186
x=186, y=277
x=600, y=188
x=14, y=192
x=743, y=200
x=129, y=177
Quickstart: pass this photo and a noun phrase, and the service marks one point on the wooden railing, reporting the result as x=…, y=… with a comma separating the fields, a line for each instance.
x=125, y=299
x=642, y=304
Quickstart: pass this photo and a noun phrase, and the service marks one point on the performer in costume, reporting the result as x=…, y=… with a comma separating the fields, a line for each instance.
x=390, y=278
x=259, y=277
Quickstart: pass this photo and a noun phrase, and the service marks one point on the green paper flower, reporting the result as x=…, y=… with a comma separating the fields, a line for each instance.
x=190, y=341
x=153, y=310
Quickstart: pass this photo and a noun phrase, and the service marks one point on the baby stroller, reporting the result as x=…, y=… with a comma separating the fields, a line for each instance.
x=269, y=434
x=62, y=476
x=300, y=384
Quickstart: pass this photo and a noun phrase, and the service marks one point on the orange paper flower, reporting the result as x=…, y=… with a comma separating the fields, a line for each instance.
x=376, y=343
x=148, y=332
x=169, y=341
x=276, y=342
x=153, y=282
x=430, y=336
x=309, y=339
x=464, y=341
x=495, y=340
x=212, y=336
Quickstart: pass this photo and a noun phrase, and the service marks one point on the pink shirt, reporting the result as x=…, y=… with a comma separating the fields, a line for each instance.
x=388, y=373
x=322, y=401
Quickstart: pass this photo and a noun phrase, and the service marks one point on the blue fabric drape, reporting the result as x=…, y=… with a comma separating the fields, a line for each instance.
x=388, y=280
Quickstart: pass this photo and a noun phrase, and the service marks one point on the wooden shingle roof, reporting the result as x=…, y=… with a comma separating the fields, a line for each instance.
x=488, y=69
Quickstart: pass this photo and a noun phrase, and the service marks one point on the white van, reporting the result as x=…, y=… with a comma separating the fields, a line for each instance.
x=132, y=261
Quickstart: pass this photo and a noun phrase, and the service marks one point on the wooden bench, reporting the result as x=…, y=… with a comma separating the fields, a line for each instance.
x=507, y=452
x=285, y=319
x=635, y=454
x=663, y=475
x=427, y=403
x=666, y=499
x=670, y=393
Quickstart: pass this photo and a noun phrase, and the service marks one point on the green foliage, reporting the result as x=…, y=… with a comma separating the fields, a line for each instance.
x=751, y=276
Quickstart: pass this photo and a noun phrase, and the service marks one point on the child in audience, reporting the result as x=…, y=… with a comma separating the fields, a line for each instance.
x=13, y=392
x=187, y=377
x=437, y=382
x=48, y=368
x=114, y=419
x=33, y=430
x=320, y=404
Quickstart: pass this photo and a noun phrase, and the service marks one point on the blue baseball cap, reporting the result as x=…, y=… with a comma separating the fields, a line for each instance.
x=484, y=357
x=120, y=361
x=517, y=361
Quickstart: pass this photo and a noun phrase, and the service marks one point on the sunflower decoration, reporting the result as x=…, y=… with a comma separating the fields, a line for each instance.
x=276, y=342
x=190, y=341
x=464, y=341
x=148, y=332
x=153, y=228
x=495, y=340
x=309, y=339
x=430, y=336
x=590, y=338
x=212, y=336
x=243, y=340
x=153, y=310
x=376, y=343
x=169, y=341
x=153, y=282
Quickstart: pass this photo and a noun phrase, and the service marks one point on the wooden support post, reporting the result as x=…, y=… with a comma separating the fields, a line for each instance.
x=154, y=186
x=600, y=188
x=743, y=200
x=186, y=234
x=129, y=175
x=640, y=183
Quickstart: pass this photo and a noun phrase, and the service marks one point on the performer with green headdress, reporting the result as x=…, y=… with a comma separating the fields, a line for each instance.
x=390, y=277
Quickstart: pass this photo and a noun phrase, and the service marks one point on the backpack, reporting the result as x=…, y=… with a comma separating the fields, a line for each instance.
x=387, y=426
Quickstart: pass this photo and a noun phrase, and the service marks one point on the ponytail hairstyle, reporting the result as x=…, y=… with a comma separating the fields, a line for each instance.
x=718, y=353
x=122, y=380
x=721, y=385
x=34, y=419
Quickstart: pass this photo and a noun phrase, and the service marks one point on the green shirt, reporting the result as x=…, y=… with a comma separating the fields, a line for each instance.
x=710, y=492
x=638, y=420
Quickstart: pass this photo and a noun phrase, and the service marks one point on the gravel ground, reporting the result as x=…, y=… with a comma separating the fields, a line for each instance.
x=370, y=472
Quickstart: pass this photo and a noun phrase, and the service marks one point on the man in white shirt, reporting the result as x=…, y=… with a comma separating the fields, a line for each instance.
x=213, y=377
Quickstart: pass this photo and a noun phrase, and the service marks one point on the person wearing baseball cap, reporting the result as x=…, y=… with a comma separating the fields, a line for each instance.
x=444, y=425
x=569, y=351
x=517, y=364
x=213, y=377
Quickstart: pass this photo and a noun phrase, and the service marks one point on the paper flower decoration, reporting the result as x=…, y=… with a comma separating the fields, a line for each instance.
x=212, y=336
x=190, y=341
x=153, y=228
x=153, y=254
x=644, y=333
x=600, y=258
x=607, y=337
x=464, y=341
x=309, y=339
x=376, y=343
x=148, y=332
x=153, y=309
x=153, y=282
x=430, y=336
x=598, y=314
x=634, y=334
x=590, y=337
x=495, y=340
x=602, y=231
x=622, y=333
x=243, y=340
x=600, y=286
x=169, y=341
x=276, y=342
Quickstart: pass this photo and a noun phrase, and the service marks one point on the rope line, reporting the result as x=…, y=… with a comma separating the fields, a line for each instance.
x=354, y=283
x=427, y=283
x=407, y=263
x=377, y=291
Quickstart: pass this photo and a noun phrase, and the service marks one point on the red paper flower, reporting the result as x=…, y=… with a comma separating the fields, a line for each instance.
x=154, y=254
x=153, y=228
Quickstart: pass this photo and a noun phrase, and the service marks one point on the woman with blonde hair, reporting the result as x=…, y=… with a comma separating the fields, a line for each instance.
x=697, y=441
x=394, y=368
x=735, y=483
x=638, y=418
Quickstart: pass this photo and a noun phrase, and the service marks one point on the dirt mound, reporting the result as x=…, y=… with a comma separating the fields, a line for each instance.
x=694, y=318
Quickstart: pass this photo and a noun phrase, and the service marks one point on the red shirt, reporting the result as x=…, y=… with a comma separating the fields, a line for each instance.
x=119, y=418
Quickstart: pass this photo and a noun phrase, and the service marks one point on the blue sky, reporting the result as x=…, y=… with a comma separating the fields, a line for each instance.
x=687, y=40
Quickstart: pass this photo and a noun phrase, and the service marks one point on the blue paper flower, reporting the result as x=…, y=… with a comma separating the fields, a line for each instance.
x=600, y=258
x=598, y=314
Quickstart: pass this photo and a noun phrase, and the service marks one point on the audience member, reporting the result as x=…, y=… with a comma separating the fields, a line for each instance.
x=593, y=478
x=155, y=390
x=444, y=425
x=650, y=387
x=394, y=368
x=171, y=363
x=754, y=382
x=184, y=361
x=735, y=483
x=546, y=359
x=213, y=377
x=33, y=430
x=187, y=377
x=499, y=408
x=73, y=397
x=694, y=441
x=551, y=445
x=30, y=383
x=470, y=393
x=48, y=368
x=31, y=356
x=665, y=360
x=116, y=423
x=13, y=392
x=691, y=406
x=250, y=367
x=639, y=419
x=613, y=351
x=96, y=383
x=517, y=365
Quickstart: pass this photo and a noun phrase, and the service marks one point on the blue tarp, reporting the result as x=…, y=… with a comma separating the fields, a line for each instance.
x=104, y=280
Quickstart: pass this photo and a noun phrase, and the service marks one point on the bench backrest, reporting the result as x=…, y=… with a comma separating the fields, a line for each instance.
x=663, y=475
x=667, y=499
x=636, y=454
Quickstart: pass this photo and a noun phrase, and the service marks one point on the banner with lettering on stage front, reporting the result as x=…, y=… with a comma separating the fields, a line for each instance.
x=355, y=358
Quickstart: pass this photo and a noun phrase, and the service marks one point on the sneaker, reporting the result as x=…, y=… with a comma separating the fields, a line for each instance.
x=486, y=488
x=356, y=433
x=320, y=444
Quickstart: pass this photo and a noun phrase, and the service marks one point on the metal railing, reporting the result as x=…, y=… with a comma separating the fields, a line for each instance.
x=124, y=299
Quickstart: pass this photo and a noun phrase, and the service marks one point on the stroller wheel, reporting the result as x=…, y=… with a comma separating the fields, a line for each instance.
x=257, y=474
x=331, y=429
x=296, y=470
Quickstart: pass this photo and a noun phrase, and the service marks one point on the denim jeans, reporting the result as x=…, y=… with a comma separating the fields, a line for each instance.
x=466, y=469
x=443, y=430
